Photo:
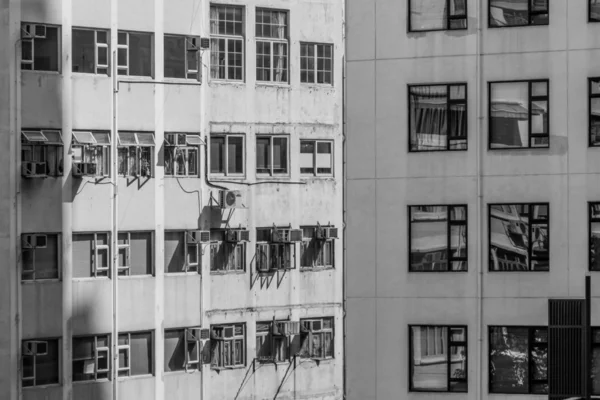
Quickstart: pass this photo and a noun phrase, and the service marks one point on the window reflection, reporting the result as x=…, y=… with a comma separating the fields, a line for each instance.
x=432, y=15
x=594, y=236
x=518, y=12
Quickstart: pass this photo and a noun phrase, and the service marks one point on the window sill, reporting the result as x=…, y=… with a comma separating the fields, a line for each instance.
x=227, y=272
x=187, y=273
x=91, y=74
x=320, y=177
x=515, y=26
x=56, y=73
x=48, y=386
x=181, y=372
x=184, y=81
x=278, y=177
x=134, y=78
x=228, y=178
x=218, y=369
x=181, y=176
x=273, y=363
x=40, y=281
x=273, y=85
x=134, y=377
x=217, y=82
x=316, y=269
x=92, y=278
x=131, y=277
x=310, y=85
x=317, y=360
x=91, y=381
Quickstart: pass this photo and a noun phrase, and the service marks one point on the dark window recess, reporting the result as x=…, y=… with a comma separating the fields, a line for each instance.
x=184, y=349
x=182, y=57
x=135, y=253
x=506, y=13
x=181, y=254
x=40, y=47
x=227, y=154
x=316, y=63
x=519, y=236
x=39, y=256
x=41, y=153
x=594, y=11
x=226, y=256
x=135, y=353
x=519, y=114
x=91, y=358
x=438, y=357
x=40, y=362
x=594, y=240
x=595, y=372
x=518, y=360
x=438, y=238
x=594, y=112
x=436, y=15
x=316, y=338
x=271, y=347
x=272, y=155
x=182, y=154
x=91, y=255
x=228, y=344
x=134, y=53
x=437, y=117
x=316, y=157
x=315, y=253
x=90, y=51
x=136, y=154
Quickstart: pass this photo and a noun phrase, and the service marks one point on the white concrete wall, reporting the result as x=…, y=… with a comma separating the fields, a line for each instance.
x=383, y=298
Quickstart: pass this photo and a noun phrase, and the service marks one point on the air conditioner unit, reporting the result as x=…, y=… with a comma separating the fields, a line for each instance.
x=30, y=241
x=326, y=232
x=230, y=199
x=192, y=334
x=35, y=348
x=237, y=235
x=84, y=169
x=192, y=44
x=204, y=334
x=199, y=237
x=27, y=31
x=31, y=169
x=228, y=332
x=286, y=235
x=204, y=43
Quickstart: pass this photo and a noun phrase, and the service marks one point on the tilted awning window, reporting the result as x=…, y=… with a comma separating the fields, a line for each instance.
x=54, y=137
x=83, y=138
x=34, y=136
x=145, y=139
x=193, y=140
x=127, y=138
x=102, y=137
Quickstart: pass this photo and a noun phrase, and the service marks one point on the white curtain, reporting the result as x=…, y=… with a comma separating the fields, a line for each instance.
x=280, y=49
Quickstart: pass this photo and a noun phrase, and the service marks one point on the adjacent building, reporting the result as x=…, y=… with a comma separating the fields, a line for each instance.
x=171, y=220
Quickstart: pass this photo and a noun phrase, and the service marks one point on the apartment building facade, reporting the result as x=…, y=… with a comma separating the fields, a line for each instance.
x=473, y=182
x=172, y=219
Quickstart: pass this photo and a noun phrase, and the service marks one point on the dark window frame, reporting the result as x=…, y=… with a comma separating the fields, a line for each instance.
x=99, y=69
x=270, y=161
x=306, y=338
x=322, y=245
x=96, y=349
x=450, y=223
x=189, y=268
x=449, y=103
x=189, y=48
x=531, y=222
x=127, y=46
x=127, y=347
x=277, y=261
x=272, y=341
x=530, y=15
x=448, y=343
x=230, y=248
x=189, y=365
x=530, y=99
x=315, y=58
x=31, y=40
x=180, y=143
x=58, y=258
x=102, y=273
x=592, y=220
x=96, y=153
x=218, y=345
x=316, y=173
x=225, y=173
x=127, y=246
x=590, y=19
x=124, y=153
x=592, y=96
x=34, y=364
x=530, y=345
x=449, y=19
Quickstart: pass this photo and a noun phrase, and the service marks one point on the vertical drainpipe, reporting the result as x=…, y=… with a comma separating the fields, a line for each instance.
x=159, y=208
x=344, y=204
x=67, y=200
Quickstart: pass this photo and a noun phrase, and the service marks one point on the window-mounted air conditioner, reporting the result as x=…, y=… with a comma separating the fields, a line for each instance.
x=326, y=232
x=84, y=169
x=30, y=241
x=31, y=169
x=198, y=237
x=204, y=43
x=230, y=199
x=237, y=235
x=35, y=348
x=27, y=31
x=286, y=235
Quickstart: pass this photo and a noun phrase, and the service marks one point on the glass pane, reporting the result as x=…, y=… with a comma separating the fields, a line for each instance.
x=175, y=56
x=217, y=155
x=539, y=356
x=429, y=239
x=280, y=155
x=426, y=15
x=509, y=360
x=539, y=117
x=428, y=118
x=457, y=334
x=141, y=353
x=596, y=369
x=505, y=13
x=83, y=50
x=307, y=148
x=595, y=246
x=458, y=363
x=122, y=57
x=429, y=358
x=235, y=155
x=509, y=115
x=140, y=54
x=509, y=238
x=539, y=89
x=46, y=259
x=595, y=122
x=45, y=51
x=263, y=155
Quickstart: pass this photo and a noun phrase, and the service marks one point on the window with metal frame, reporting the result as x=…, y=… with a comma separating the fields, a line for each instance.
x=41, y=152
x=594, y=111
x=182, y=154
x=316, y=63
x=316, y=157
x=40, y=362
x=317, y=336
x=40, y=256
x=271, y=347
x=134, y=53
x=226, y=42
x=519, y=237
x=272, y=155
x=438, y=239
x=436, y=15
x=504, y=13
x=182, y=57
x=595, y=372
x=226, y=256
x=227, y=154
x=315, y=253
x=183, y=349
x=594, y=11
x=135, y=353
x=91, y=358
x=136, y=154
x=40, y=47
x=271, y=45
x=437, y=117
x=519, y=114
x=135, y=253
x=92, y=147
x=518, y=359
x=90, y=51
x=182, y=254
x=594, y=236
x=91, y=255
x=228, y=346
x=438, y=358
x=273, y=256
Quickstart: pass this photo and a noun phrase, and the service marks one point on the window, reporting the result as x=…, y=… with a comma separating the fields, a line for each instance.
x=272, y=47
x=135, y=253
x=272, y=155
x=182, y=253
x=519, y=236
x=134, y=51
x=40, y=362
x=316, y=253
x=437, y=117
x=273, y=255
x=594, y=11
x=227, y=154
x=94, y=148
x=136, y=154
x=182, y=57
x=226, y=256
x=519, y=114
x=271, y=346
x=518, y=360
x=41, y=153
x=438, y=358
x=316, y=157
x=91, y=255
x=595, y=372
x=182, y=154
x=228, y=346
x=226, y=42
x=594, y=242
x=317, y=338
x=316, y=63
x=91, y=358
x=90, y=51
x=438, y=238
x=437, y=15
x=40, y=256
x=135, y=354
x=504, y=13
x=594, y=107
x=40, y=47
x=182, y=349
